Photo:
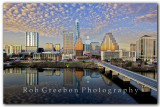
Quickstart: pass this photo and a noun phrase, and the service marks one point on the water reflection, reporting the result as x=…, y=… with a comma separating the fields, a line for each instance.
x=31, y=77
x=70, y=78
x=107, y=81
x=152, y=75
x=13, y=70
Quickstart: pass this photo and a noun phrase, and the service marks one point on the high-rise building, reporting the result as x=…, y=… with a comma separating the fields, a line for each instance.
x=133, y=52
x=109, y=43
x=95, y=48
x=31, y=41
x=68, y=45
x=13, y=49
x=77, y=31
x=109, y=48
x=87, y=45
x=146, y=48
x=48, y=47
x=132, y=47
x=79, y=47
x=57, y=47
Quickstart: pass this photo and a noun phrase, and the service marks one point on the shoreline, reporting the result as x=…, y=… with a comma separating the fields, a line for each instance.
x=68, y=64
x=77, y=64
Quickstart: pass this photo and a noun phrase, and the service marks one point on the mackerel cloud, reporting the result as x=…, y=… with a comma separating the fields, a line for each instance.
x=51, y=19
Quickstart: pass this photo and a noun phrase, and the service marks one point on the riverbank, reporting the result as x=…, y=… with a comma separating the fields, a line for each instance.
x=69, y=64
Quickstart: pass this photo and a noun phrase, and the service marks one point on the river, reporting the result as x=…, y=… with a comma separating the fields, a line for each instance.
x=64, y=86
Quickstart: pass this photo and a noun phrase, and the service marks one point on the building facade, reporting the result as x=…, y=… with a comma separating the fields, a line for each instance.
x=48, y=47
x=47, y=56
x=95, y=48
x=109, y=43
x=132, y=47
x=68, y=45
x=108, y=55
x=87, y=45
x=146, y=48
x=79, y=47
x=122, y=54
x=31, y=41
x=57, y=47
x=129, y=55
x=133, y=52
x=13, y=49
x=77, y=31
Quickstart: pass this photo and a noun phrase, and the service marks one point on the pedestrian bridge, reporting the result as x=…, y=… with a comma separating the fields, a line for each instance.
x=146, y=83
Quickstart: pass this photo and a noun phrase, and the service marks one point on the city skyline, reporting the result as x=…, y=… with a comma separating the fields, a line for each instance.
x=127, y=22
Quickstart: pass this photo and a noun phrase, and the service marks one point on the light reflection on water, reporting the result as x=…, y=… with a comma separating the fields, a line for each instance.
x=15, y=79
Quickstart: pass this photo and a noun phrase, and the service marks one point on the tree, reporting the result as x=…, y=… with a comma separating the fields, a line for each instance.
x=128, y=64
x=116, y=61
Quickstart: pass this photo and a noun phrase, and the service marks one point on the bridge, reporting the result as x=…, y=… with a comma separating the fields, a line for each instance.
x=146, y=83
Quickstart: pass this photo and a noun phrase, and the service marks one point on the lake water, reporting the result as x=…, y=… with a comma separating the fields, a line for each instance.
x=61, y=86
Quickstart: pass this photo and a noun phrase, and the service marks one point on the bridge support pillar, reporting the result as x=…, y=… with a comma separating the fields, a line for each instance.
x=114, y=74
x=107, y=71
x=145, y=88
x=126, y=79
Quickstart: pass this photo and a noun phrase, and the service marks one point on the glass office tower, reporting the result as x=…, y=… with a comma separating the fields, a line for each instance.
x=31, y=41
x=77, y=31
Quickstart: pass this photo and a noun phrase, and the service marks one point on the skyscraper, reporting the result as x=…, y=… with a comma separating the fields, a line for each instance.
x=77, y=31
x=87, y=45
x=109, y=48
x=146, y=48
x=79, y=47
x=68, y=45
x=109, y=43
x=31, y=41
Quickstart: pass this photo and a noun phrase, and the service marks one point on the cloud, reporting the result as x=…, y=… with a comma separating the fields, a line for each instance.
x=82, y=7
x=6, y=6
x=52, y=18
x=42, y=4
x=115, y=6
x=65, y=5
x=149, y=18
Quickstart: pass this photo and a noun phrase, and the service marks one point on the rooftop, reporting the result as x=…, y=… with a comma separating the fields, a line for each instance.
x=146, y=36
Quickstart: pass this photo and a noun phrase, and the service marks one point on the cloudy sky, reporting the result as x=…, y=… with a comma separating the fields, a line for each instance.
x=127, y=22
